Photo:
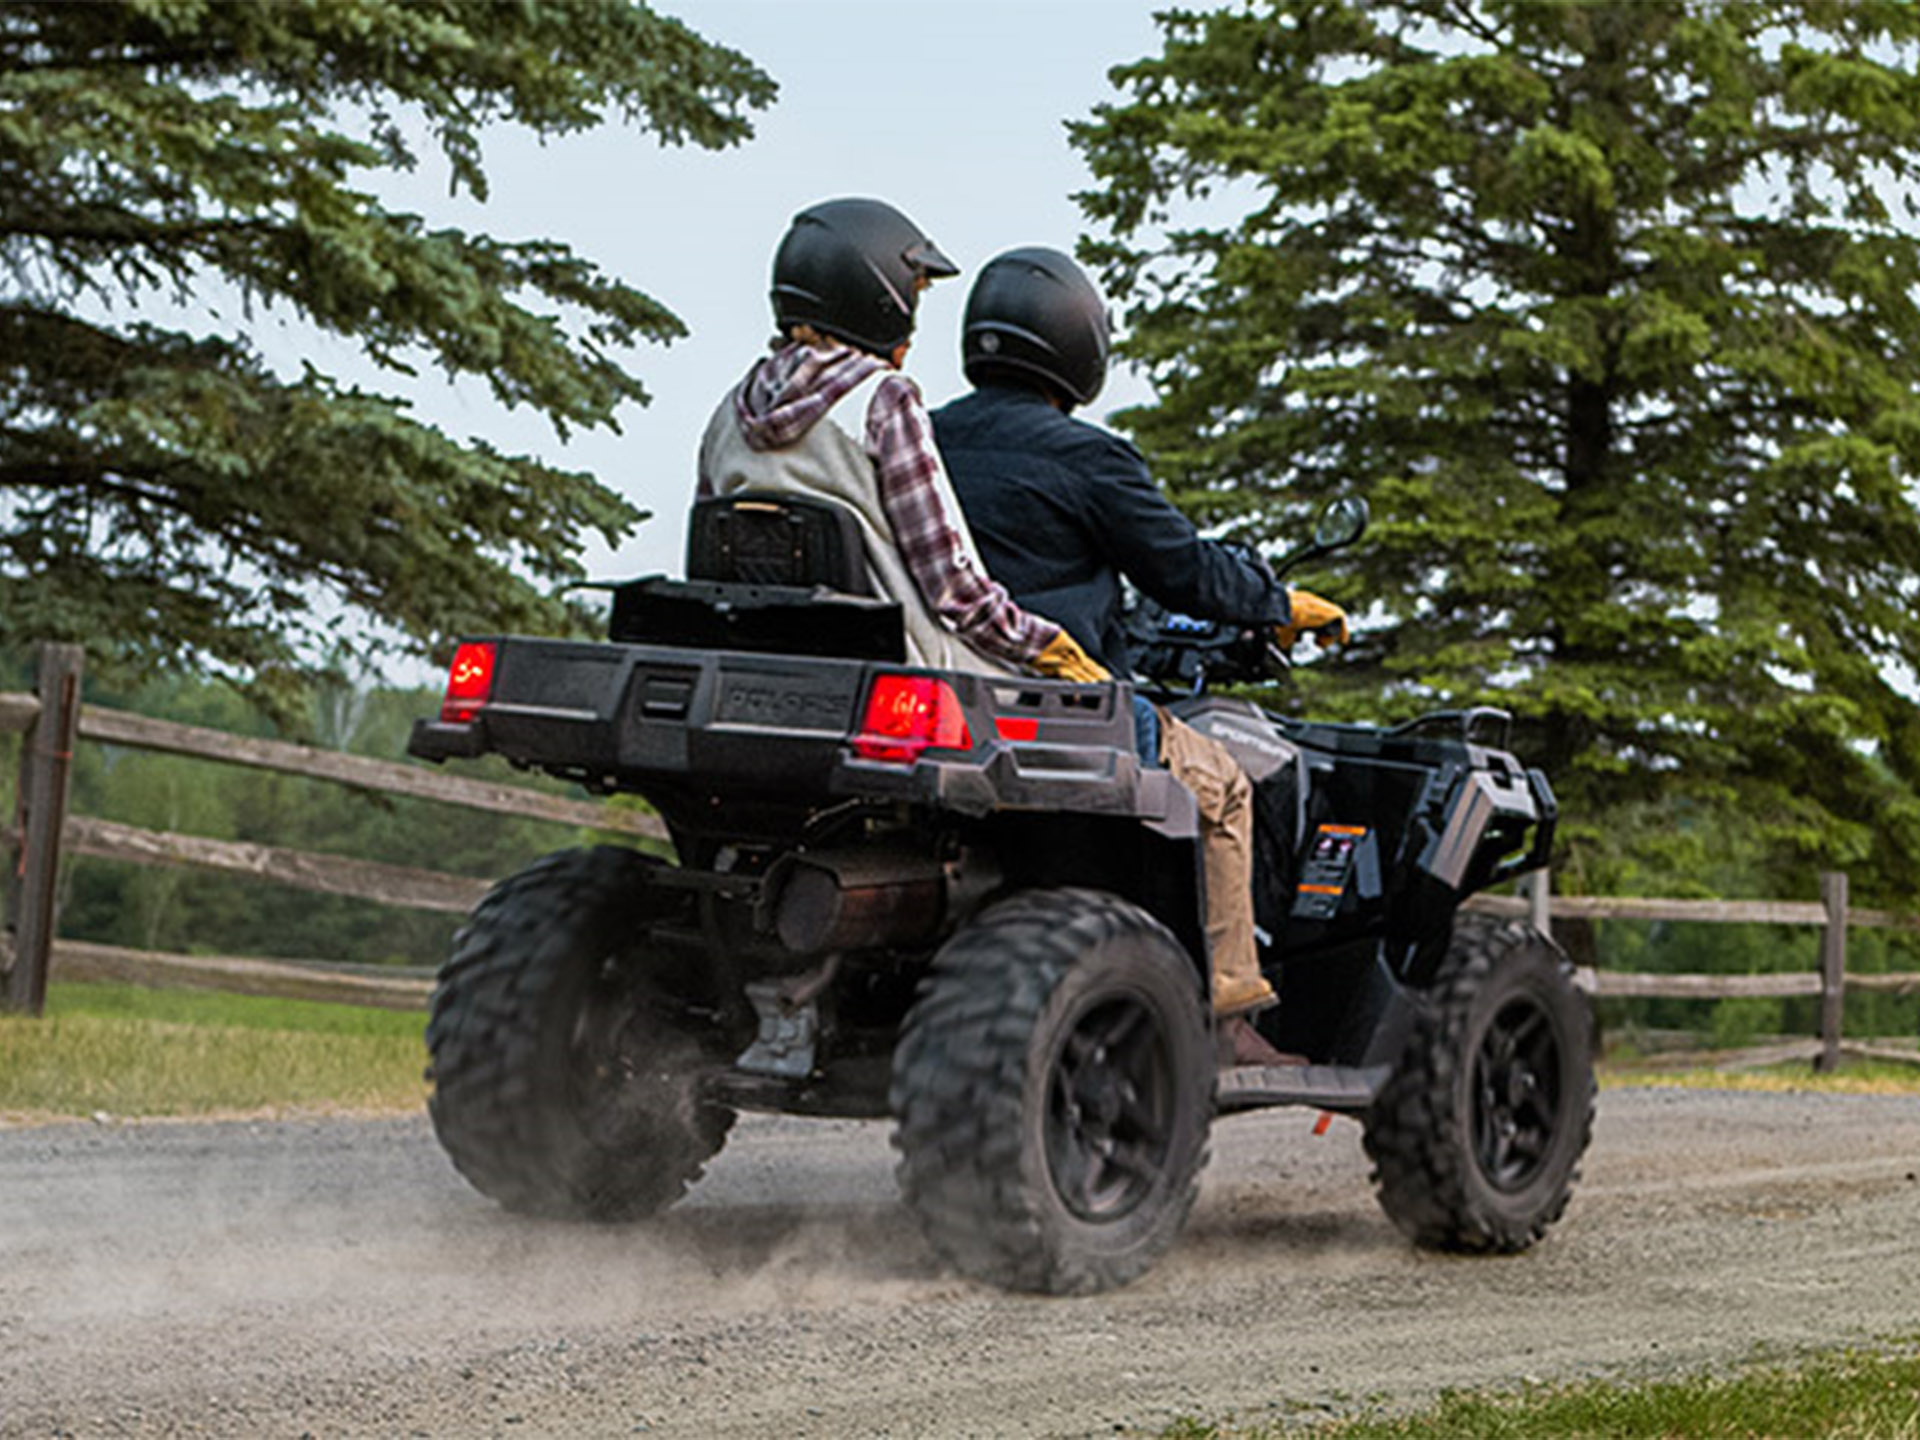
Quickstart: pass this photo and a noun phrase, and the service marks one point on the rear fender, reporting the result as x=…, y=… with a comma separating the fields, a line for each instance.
x=1473, y=848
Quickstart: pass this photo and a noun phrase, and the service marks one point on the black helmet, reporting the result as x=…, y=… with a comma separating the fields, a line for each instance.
x=1034, y=316
x=852, y=269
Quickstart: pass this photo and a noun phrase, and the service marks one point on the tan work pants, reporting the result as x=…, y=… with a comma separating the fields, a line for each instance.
x=1225, y=799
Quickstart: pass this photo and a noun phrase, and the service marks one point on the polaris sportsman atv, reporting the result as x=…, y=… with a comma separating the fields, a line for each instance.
x=961, y=901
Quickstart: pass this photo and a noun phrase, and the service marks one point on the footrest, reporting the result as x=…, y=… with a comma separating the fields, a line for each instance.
x=1323, y=1087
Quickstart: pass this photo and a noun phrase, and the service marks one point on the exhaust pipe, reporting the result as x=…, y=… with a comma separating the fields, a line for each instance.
x=857, y=899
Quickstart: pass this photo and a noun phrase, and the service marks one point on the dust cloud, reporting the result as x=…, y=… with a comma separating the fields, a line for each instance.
x=335, y=1277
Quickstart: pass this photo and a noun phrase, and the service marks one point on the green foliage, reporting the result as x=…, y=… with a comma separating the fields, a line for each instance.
x=168, y=500
x=1610, y=310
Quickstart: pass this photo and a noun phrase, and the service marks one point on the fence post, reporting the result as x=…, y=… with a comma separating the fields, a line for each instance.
x=46, y=758
x=1833, y=967
x=1537, y=887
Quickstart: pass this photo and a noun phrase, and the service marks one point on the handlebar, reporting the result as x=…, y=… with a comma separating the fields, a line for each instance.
x=1180, y=652
x=1183, y=652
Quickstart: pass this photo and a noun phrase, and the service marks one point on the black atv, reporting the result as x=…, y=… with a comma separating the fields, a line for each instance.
x=962, y=901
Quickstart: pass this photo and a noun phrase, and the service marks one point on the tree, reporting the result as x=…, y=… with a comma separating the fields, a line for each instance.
x=166, y=498
x=1610, y=310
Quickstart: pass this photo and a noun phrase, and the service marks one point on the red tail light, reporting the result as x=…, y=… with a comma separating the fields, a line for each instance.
x=469, y=682
x=907, y=714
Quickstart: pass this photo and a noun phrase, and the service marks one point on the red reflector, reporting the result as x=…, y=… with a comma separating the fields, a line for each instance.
x=1017, y=727
x=907, y=714
x=469, y=682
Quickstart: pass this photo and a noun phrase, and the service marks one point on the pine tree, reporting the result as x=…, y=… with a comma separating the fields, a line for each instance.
x=166, y=497
x=1609, y=309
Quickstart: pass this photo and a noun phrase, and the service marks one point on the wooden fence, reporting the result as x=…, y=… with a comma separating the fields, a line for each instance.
x=1829, y=980
x=53, y=719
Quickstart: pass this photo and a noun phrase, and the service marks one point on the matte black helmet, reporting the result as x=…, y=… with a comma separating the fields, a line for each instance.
x=853, y=269
x=1034, y=316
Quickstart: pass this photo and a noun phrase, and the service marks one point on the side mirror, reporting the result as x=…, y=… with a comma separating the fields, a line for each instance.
x=1341, y=523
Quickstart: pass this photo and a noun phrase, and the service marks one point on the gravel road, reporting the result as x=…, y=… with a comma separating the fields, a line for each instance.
x=336, y=1278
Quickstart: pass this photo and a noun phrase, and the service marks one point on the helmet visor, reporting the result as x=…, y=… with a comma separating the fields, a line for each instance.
x=925, y=257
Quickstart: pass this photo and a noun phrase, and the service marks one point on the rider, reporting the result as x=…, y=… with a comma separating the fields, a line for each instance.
x=1062, y=510
x=828, y=413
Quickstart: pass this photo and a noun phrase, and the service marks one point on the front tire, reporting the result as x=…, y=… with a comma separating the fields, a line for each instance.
x=1477, y=1136
x=1052, y=1088
x=565, y=1077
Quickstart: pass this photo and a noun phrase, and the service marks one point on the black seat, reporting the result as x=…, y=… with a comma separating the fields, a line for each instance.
x=779, y=573
x=755, y=537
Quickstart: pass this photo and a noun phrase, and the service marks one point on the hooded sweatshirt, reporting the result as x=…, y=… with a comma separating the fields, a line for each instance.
x=842, y=425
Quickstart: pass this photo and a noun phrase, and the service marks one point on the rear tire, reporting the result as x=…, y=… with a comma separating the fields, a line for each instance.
x=1052, y=1091
x=565, y=1084
x=1476, y=1138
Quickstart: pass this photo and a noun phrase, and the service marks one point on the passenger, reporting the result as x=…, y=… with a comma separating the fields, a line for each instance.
x=1061, y=510
x=829, y=413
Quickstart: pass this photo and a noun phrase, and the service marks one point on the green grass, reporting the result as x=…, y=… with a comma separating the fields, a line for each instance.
x=1848, y=1395
x=209, y=1007
x=124, y=1051
x=1854, y=1077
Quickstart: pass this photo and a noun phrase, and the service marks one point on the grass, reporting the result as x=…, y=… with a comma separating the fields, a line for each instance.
x=126, y=1052
x=1846, y=1395
x=1854, y=1077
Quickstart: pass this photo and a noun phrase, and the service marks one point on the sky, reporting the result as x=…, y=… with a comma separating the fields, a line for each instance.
x=953, y=111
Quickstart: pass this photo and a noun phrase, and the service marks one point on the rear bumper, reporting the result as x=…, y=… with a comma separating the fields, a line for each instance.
x=778, y=727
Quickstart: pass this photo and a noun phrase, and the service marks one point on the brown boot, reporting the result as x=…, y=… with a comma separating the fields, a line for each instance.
x=1242, y=994
x=1241, y=1044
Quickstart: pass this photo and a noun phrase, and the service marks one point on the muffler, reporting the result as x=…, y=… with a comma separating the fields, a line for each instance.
x=857, y=899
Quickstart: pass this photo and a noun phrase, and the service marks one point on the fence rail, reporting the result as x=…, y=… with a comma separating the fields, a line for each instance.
x=239, y=975
x=43, y=833
x=1637, y=907
x=52, y=720
x=302, y=869
x=118, y=727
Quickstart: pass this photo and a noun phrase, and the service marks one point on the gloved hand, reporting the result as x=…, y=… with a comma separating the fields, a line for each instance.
x=1326, y=620
x=1063, y=659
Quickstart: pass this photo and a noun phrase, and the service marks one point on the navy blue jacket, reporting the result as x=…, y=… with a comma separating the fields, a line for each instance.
x=1062, y=509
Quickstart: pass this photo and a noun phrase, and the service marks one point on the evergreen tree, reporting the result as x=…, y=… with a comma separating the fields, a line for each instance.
x=166, y=498
x=1610, y=311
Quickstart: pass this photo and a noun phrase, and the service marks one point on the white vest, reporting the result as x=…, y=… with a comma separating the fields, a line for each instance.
x=830, y=462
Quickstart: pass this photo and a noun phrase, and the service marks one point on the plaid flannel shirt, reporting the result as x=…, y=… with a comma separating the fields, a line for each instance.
x=931, y=534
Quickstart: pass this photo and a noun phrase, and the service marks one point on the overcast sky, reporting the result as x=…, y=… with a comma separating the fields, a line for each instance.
x=954, y=111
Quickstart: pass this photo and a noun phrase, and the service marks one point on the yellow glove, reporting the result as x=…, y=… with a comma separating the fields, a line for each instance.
x=1326, y=620
x=1063, y=659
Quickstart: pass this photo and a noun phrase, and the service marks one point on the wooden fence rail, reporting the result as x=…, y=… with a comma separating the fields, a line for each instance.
x=43, y=833
x=1829, y=983
x=304, y=870
x=51, y=720
x=118, y=727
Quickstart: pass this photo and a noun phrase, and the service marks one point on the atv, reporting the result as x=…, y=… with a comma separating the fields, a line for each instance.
x=961, y=901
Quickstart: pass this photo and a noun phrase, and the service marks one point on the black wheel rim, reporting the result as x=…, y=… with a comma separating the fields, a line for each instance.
x=1516, y=1094
x=1109, y=1109
x=625, y=1073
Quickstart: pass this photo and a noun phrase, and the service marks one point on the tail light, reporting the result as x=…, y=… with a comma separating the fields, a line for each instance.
x=907, y=714
x=469, y=682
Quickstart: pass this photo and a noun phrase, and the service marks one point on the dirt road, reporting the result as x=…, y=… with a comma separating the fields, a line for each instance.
x=336, y=1277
